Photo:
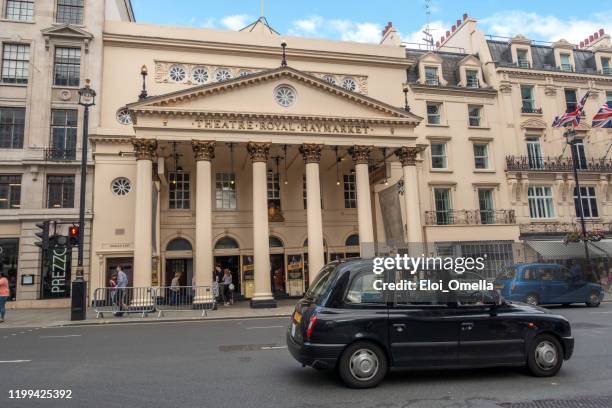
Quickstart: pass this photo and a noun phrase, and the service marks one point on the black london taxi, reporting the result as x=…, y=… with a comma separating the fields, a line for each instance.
x=343, y=323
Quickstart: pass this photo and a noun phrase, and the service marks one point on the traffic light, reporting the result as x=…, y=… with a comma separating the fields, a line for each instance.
x=73, y=233
x=43, y=235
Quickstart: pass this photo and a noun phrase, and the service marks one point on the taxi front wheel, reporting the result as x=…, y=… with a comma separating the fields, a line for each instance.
x=545, y=356
x=362, y=365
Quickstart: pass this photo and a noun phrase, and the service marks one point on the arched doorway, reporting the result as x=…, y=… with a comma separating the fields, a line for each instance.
x=227, y=255
x=352, y=246
x=277, y=267
x=179, y=259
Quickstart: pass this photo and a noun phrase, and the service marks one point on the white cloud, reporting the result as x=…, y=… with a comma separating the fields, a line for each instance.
x=236, y=22
x=208, y=23
x=436, y=28
x=545, y=28
x=317, y=26
x=308, y=25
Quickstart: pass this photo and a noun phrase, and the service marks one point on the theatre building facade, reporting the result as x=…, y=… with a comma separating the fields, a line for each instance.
x=267, y=162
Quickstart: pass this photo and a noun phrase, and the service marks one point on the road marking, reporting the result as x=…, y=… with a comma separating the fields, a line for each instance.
x=274, y=347
x=610, y=312
x=265, y=327
x=15, y=361
x=60, y=337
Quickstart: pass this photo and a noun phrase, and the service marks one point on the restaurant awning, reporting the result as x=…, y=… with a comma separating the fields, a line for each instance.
x=558, y=250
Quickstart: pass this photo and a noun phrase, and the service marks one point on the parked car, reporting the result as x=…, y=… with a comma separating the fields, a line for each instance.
x=544, y=283
x=343, y=323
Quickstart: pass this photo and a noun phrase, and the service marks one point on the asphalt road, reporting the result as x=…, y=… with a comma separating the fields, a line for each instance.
x=244, y=363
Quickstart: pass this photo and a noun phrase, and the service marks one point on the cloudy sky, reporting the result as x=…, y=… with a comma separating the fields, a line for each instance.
x=363, y=20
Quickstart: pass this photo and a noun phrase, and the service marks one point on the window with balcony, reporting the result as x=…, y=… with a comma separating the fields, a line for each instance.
x=522, y=58
x=528, y=99
x=67, y=67
x=589, y=202
x=471, y=78
x=15, y=63
x=481, y=156
x=485, y=205
x=434, y=113
x=579, y=153
x=10, y=191
x=12, y=124
x=431, y=76
x=606, y=68
x=60, y=191
x=69, y=12
x=179, y=196
x=63, y=134
x=570, y=100
x=225, y=191
x=350, y=191
x=474, y=115
x=442, y=201
x=534, y=153
x=565, y=62
x=274, y=198
x=19, y=10
x=438, y=156
x=540, y=202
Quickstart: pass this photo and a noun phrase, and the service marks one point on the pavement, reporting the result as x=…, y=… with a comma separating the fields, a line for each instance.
x=244, y=363
x=28, y=318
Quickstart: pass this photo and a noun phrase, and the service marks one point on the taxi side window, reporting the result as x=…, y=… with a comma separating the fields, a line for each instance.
x=361, y=290
x=532, y=274
x=419, y=297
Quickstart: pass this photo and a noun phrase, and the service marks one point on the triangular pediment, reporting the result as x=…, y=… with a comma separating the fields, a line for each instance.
x=430, y=57
x=256, y=94
x=470, y=61
x=533, y=124
x=66, y=30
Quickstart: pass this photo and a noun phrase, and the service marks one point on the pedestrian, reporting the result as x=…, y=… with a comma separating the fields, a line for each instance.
x=122, y=283
x=112, y=283
x=175, y=288
x=4, y=294
x=227, y=283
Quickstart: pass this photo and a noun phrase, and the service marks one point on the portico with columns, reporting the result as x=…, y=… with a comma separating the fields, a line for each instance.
x=277, y=133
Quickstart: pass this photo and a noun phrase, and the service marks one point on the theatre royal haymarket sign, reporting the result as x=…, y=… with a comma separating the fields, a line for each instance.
x=284, y=125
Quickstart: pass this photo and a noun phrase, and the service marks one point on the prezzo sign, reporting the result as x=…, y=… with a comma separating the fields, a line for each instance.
x=56, y=272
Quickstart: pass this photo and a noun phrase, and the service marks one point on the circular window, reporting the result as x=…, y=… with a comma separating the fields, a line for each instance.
x=349, y=84
x=223, y=74
x=199, y=75
x=123, y=116
x=285, y=95
x=121, y=186
x=177, y=73
x=330, y=78
x=244, y=72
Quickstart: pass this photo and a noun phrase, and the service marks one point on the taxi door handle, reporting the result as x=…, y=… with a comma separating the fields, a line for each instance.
x=467, y=326
x=399, y=327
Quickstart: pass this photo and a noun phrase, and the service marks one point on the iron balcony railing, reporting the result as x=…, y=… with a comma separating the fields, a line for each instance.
x=472, y=82
x=60, y=154
x=606, y=70
x=530, y=109
x=564, y=227
x=523, y=64
x=470, y=217
x=567, y=67
x=557, y=164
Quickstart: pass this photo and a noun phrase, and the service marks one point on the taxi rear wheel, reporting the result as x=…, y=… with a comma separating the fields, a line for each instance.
x=362, y=365
x=545, y=356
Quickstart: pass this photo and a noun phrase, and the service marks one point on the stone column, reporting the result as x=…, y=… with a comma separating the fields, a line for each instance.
x=203, y=152
x=361, y=154
x=408, y=158
x=145, y=150
x=314, y=219
x=262, y=296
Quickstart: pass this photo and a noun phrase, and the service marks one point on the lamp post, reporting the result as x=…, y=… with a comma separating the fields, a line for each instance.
x=87, y=98
x=570, y=138
x=143, y=72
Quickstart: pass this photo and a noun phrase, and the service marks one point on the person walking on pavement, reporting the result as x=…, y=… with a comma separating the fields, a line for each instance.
x=122, y=282
x=175, y=288
x=112, y=283
x=228, y=287
x=4, y=295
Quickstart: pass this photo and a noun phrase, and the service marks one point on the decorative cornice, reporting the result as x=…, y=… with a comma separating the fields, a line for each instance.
x=203, y=150
x=408, y=154
x=360, y=154
x=311, y=152
x=534, y=72
x=145, y=149
x=259, y=152
x=437, y=89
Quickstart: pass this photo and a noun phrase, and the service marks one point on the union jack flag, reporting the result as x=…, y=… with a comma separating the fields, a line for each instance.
x=603, y=117
x=572, y=117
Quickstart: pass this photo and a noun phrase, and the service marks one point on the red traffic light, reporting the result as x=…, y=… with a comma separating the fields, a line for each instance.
x=74, y=231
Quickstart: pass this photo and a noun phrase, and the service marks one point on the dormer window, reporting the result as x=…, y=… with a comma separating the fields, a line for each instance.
x=606, y=68
x=522, y=58
x=431, y=76
x=471, y=78
x=565, y=62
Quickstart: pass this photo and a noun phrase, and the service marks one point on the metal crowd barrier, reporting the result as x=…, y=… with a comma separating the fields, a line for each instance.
x=124, y=300
x=183, y=298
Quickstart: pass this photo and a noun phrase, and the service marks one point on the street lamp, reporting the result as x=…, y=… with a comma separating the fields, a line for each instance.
x=143, y=72
x=405, y=90
x=572, y=140
x=87, y=98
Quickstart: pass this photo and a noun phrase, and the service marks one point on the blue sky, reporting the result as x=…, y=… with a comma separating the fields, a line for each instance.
x=361, y=20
